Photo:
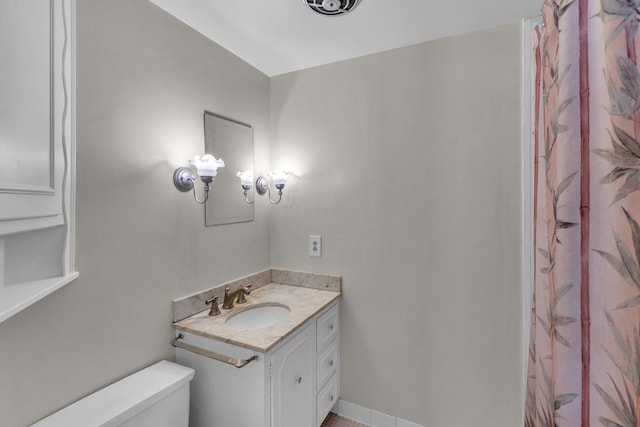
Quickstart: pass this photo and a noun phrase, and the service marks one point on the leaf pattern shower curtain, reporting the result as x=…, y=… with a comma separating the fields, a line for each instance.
x=584, y=358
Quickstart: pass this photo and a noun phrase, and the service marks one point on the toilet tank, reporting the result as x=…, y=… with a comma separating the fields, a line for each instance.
x=157, y=396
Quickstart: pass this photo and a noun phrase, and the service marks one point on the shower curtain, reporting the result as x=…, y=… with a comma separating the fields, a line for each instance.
x=584, y=357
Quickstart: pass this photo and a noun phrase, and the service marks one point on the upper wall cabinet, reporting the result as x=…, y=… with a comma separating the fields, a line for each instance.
x=34, y=114
x=37, y=143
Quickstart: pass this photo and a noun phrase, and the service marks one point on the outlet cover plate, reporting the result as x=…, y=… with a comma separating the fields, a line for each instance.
x=315, y=245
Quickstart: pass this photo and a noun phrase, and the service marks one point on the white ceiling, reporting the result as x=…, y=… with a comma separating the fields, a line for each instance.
x=279, y=36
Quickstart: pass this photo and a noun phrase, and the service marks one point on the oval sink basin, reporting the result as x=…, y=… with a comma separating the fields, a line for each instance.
x=258, y=317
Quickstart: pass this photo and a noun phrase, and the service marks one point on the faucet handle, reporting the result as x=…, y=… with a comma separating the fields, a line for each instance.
x=215, y=310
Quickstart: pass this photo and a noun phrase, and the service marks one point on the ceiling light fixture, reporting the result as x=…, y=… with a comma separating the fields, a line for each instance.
x=332, y=7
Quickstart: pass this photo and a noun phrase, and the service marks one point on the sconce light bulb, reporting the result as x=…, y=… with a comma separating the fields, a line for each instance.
x=279, y=178
x=246, y=179
x=207, y=166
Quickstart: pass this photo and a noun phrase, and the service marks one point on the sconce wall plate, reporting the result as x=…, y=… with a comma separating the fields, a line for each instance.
x=183, y=179
x=262, y=186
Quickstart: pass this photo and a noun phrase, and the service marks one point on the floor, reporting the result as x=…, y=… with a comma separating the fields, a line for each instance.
x=335, y=421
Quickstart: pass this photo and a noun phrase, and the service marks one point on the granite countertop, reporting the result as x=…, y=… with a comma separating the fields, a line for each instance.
x=303, y=302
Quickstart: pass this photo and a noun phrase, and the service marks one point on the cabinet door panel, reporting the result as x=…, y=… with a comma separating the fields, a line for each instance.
x=293, y=381
x=35, y=115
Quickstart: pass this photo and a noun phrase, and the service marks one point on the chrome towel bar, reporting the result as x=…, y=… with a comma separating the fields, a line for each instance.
x=238, y=363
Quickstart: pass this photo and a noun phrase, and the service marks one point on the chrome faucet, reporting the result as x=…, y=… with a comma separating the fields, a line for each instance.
x=240, y=293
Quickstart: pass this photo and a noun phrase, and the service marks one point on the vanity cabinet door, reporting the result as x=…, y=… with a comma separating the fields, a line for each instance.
x=293, y=381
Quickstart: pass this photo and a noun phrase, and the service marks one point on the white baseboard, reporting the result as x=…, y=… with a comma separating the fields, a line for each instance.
x=369, y=417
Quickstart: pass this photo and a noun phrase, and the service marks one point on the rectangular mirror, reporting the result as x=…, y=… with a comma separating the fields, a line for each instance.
x=231, y=141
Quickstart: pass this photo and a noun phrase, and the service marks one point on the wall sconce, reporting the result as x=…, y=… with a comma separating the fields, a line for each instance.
x=207, y=166
x=246, y=182
x=279, y=180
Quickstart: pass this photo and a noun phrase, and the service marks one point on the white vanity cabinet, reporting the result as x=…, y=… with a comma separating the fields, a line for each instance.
x=295, y=384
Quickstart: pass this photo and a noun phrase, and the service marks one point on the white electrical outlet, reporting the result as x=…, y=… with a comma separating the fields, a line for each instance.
x=315, y=245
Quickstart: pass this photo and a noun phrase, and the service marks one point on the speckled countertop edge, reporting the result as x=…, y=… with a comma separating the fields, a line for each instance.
x=303, y=302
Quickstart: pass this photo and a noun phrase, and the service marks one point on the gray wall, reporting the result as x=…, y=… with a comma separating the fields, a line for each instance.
x=143, y=82
x=410, y=171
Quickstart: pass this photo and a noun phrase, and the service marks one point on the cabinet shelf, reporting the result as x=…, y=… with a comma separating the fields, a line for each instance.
x=18, y=296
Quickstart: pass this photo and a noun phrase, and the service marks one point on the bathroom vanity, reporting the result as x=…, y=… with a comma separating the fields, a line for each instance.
x=283, y=373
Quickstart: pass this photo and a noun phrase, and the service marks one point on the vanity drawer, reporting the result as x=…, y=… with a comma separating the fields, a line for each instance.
x=328, y=363
x=327, y=397
x=327, y=328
